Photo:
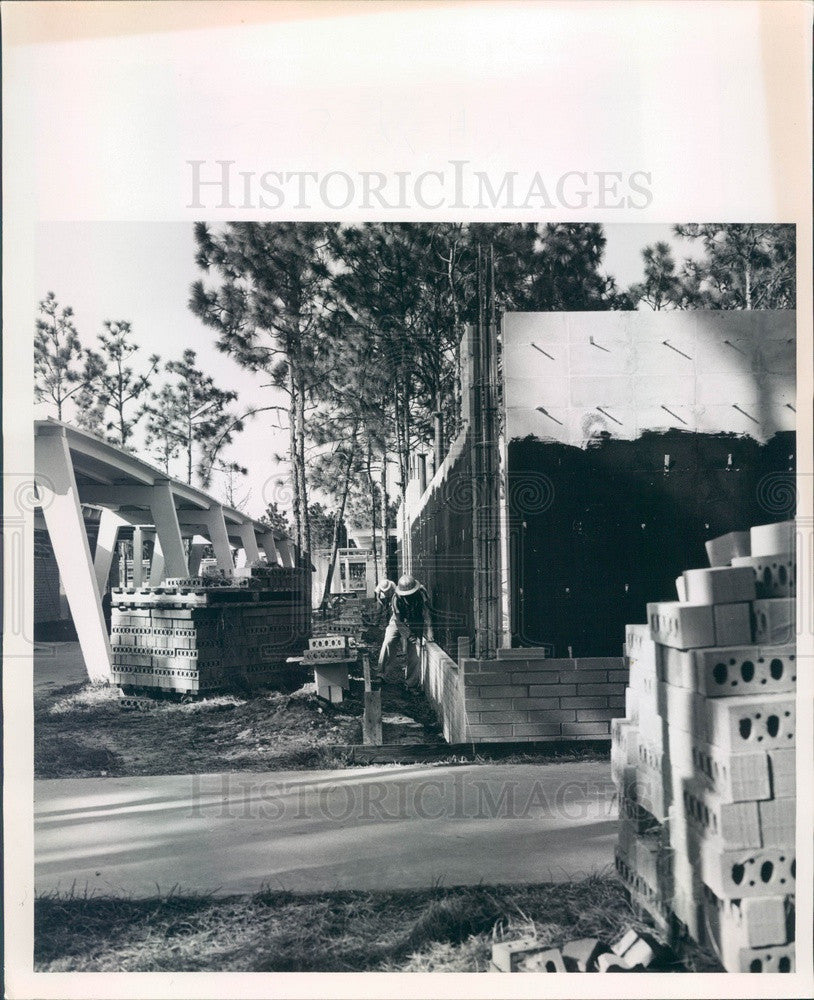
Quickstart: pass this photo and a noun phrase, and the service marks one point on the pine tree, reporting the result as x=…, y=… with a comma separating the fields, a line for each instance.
x=115, y=390
x=747, y=266
x=265, y=307
x=58, y=356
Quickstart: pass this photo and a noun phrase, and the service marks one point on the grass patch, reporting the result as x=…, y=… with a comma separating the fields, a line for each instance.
x=432, y=930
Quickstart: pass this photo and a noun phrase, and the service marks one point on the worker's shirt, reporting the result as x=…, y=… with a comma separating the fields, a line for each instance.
x=413, y=610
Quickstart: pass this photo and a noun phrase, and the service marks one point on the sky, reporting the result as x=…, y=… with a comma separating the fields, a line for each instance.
x=142, y=272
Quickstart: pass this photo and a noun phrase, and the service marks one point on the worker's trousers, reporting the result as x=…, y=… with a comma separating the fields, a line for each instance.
x=398, y=633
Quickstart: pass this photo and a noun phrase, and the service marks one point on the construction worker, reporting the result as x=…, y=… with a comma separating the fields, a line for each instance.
x=410, y=624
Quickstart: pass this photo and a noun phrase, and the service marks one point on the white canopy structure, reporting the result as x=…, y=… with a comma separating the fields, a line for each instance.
x=74, y=468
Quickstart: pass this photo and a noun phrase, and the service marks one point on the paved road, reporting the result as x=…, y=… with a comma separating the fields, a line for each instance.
x=369, y=828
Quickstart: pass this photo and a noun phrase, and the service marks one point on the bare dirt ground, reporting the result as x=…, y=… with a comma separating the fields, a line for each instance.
x=82, y=730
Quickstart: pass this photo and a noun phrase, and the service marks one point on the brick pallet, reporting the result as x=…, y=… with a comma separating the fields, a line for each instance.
x=704, y=758
x=200, y=636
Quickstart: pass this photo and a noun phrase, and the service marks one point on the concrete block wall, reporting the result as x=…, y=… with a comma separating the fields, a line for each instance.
x=522, y=696
x=442, y=681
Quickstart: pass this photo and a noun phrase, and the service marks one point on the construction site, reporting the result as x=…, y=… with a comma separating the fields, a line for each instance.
x=527, y=703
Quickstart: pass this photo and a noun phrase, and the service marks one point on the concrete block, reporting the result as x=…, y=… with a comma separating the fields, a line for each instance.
x=581, y=955
x=775, y=575
x=783, y=773
x=551, y=715
x=626, y=941
x=744, y=873
x=609, y=962
x=779, y=958
x=681, y=589
x=506, y=954
x=631, y=704
x=476, y=680
x=719, y=585
x=602, y=663
x=595, y=715
x=552, y=691
x=749, y=722
x=490, y=717
x=600, y=690
x=532, y=729
x=535, y=665
x=734, y=777
x=617, y=702
x=584, y=702
x=774, y=621
x=676, y=667
x=479, y=731
x=502, y=691
x=539, y=678
x=733, y=624
x=488, y=704
x=778, y=820
x=741, y=670
x=585, y=677
x=722, y=550
x=683, y=626
x=678, y=706
x=733, y=824
x=747, y=923
x=585, y=728
x=525, y=703
x=330, y=692
x=550, y=960
x=769, y=539
x=618, y=676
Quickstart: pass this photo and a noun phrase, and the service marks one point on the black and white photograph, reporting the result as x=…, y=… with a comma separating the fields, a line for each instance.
x=405, y=570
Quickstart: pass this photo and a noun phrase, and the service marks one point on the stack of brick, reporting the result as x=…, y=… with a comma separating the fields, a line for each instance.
x=704, y=758
x=200, y=634
x=331, y=657
x=524, y=696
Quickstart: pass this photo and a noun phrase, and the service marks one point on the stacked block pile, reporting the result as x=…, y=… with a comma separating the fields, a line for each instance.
x=704, y=759
x=331, y=657
x=204, y=633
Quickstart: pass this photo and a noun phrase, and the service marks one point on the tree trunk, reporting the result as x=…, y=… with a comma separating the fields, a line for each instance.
x=326, y=593
x=385, y=534
x=304, y=515
x=372, y=512
x=293, y=454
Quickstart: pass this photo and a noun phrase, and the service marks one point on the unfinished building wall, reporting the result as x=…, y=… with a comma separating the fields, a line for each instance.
x=642, y=435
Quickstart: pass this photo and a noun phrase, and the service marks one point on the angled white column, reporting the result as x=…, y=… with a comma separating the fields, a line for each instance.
x=218, y=536
x=286, y=550
x=162, y=506
x=268, y=546
x=248, y=540
x=196, y=551
x=56, y=486
x=138, y=557
x=109, y=524
x=157, y=564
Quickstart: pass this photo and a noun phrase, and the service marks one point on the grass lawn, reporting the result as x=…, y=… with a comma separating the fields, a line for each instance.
x=432, y=930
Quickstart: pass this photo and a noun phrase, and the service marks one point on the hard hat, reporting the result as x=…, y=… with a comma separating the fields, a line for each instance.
x=407, y=585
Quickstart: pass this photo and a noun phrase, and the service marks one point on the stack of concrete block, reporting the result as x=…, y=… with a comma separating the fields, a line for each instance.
x=704, y=759
x=522, y=695
x=201, y=635
x=331, y=657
